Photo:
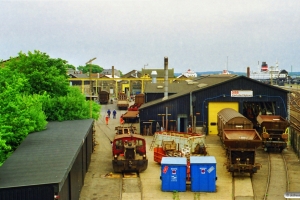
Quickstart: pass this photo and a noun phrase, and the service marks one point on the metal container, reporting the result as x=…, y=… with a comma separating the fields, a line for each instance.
x=173, y=174
x=203, y=173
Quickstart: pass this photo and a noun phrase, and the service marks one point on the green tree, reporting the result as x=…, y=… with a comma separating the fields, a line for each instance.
x=34, y=89
x=70, y=107
x=20, y=114
x=86, y=69
x=69, y=66
x=44, y=74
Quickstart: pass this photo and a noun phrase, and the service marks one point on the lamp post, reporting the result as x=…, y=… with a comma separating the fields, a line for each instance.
x=91, y=87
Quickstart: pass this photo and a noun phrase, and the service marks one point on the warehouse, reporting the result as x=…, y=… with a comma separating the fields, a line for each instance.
x=198, y=101
x=50, y=164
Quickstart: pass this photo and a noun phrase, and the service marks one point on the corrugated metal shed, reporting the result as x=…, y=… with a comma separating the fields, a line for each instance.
x=181, y=106
x=46, y=157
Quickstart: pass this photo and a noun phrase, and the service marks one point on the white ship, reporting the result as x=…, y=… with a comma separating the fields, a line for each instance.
x=225, y=71
x=269, y=73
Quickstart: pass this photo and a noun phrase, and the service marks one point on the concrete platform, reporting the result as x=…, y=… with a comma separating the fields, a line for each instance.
x=151, y=183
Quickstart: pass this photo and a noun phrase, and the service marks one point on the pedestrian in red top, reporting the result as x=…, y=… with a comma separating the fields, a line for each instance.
x=121, y=120
x=106, y=119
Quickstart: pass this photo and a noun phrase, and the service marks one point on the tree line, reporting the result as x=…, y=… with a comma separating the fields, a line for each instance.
x=34, y=89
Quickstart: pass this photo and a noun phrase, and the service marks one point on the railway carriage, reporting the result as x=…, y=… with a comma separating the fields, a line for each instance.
x=274, y=132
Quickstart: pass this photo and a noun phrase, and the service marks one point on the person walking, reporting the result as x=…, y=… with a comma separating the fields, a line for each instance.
x=108, y=113
x=121, y=120
x=106, y=119
x=114, y=114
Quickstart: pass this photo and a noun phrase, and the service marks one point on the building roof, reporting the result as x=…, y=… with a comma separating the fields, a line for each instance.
x=132, y=74
x=76, y=74
x=181, y=86
x=192, y=86
x=160, y=72
x=109, y=72
x=45, y=157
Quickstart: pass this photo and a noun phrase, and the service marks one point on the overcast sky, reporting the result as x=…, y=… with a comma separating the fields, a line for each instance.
x=200, y=35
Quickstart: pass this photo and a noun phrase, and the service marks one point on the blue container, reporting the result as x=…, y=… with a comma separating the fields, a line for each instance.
x=173, y=174
x=203, y=173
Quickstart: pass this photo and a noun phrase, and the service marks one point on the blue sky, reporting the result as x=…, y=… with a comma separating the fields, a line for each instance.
x=194, y=34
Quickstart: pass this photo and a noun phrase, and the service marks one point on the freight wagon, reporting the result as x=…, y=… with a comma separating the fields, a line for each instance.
x=241, y=146
x=229, y=118
x=274, y=132
x=138, y=101
x=122, y=101
x=103, y=97
x=177, y=144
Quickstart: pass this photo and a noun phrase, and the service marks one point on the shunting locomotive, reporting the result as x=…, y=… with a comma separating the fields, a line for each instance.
x=129, y=151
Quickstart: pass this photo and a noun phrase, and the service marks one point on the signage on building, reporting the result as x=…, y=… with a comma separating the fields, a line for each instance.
x=241, y=93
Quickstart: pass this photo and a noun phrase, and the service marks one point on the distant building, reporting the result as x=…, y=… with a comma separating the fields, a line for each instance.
x=188, y=74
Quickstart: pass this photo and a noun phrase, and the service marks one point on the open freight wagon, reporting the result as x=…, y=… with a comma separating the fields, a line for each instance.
x=274, y=131
x=241, y=146
x=177, y=144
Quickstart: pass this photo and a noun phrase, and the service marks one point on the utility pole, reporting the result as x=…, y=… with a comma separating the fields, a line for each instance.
x=91, y=86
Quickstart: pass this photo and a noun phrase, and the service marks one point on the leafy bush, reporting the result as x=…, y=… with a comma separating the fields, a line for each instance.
x=70, y=107
x=34, y=89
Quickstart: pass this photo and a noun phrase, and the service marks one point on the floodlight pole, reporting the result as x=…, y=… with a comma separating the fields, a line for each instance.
x=91, y=86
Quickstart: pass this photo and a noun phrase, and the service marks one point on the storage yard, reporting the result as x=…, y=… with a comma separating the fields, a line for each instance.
x=102, y=183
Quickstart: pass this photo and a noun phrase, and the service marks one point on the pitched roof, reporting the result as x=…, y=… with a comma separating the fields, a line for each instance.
x=45, y=157
x=132, y=74
x=198, y=84
x=109, y=72
x=160, y=72
x=181, y=86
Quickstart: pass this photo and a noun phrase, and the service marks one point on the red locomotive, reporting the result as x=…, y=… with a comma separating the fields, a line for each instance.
x=129, y=151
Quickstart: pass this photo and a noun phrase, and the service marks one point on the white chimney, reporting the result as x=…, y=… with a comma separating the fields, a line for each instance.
x=153, y=75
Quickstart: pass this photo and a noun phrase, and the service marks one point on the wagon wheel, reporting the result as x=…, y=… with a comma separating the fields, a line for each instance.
x=280, y=149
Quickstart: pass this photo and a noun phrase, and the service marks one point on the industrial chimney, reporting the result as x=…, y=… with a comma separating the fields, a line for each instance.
x=166, y=78
x=248, y=72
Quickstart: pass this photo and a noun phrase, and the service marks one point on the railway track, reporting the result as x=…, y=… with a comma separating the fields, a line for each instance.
x=277, y=181
x=273, y=180
x=131, y=186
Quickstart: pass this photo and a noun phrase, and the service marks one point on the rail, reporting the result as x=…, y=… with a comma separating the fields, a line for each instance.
x=276, y=185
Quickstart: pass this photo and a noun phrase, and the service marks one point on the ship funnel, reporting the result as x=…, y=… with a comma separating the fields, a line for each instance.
x=264, y=67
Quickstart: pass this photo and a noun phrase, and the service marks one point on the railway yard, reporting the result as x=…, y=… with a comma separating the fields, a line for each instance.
x=279, y=172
